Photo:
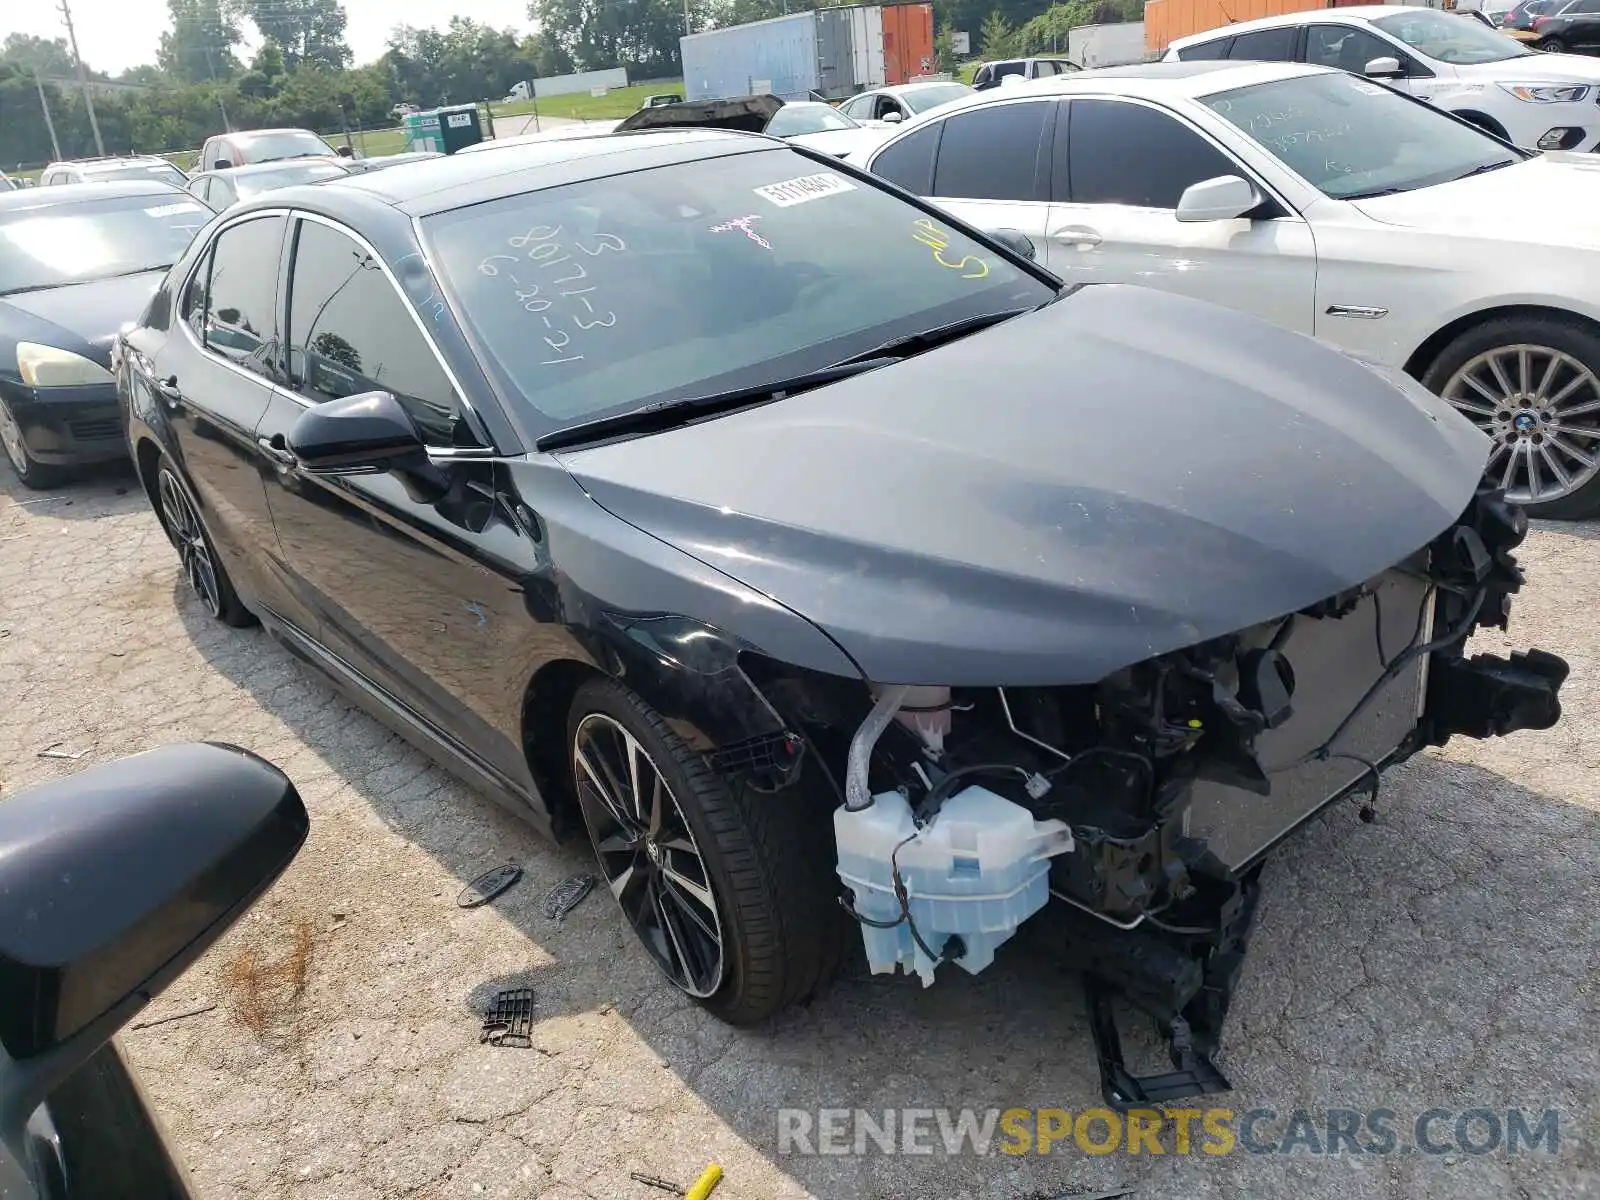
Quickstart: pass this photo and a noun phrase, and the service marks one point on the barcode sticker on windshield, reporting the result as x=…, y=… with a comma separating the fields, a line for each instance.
x=172, y=210
x=807, y=187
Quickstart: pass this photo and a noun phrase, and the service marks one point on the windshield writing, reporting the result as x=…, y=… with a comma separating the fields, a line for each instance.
x=267, y=146
x=922, y=99
x=683, y=280
x=807, y=118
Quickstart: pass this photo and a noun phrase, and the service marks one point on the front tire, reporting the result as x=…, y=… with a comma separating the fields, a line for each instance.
x=1532, y=383
x=197, y=557
x=730, y=892
x=32, y=474
x=1552, y=45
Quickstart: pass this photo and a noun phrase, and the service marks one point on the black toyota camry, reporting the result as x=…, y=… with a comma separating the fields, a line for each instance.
x=77, y=263
x=706, y=494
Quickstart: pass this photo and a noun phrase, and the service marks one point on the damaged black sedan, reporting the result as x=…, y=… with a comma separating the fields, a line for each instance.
x=847, y=579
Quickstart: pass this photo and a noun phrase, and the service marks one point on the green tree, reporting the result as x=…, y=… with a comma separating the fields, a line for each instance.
x=266, y=72
x=944, y=51
x=996, y=38
x=311, y=32
x=36, y=55
x=641, y=35
x=199, y=46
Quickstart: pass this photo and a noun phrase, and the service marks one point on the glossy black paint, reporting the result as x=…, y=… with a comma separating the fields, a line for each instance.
x=208, y=825
x=368, y=430
x=85, y=943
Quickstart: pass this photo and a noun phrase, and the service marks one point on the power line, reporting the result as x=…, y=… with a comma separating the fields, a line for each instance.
x=83, y=78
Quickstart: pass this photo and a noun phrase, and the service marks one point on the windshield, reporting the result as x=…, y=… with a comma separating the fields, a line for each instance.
x=923, y=98
x=807, y=118
x=690, y=279
x=1349, y=137
x=92, y=239
x=1446, y=38
x=253, y=183
x=289, y=143
x=164, y=171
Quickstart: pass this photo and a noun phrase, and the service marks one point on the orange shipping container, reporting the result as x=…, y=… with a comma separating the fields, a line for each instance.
x=907, y=42
x=1165, y=21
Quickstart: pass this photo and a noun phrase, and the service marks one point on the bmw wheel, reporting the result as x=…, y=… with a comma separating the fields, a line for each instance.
x=207, y=577
x=730, y=893
x=1532, y=383
x=32, y=474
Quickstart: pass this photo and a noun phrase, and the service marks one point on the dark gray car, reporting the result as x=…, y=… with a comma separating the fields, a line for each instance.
x=705, y=494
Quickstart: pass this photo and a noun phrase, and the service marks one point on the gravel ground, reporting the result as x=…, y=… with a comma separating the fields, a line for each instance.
x=1443, y=957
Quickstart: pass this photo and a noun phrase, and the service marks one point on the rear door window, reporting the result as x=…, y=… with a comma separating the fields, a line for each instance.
x=1266, y=45
x=992, y=153
x=909, y=162
x=1206, y=51
x=241, y=321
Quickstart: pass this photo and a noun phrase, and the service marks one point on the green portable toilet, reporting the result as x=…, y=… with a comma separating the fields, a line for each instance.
x=421, y=130
x=459, y=126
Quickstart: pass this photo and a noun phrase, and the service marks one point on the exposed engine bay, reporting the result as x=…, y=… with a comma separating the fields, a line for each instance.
x=1139, y=809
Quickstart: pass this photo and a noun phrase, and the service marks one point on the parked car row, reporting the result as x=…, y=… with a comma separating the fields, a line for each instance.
x=521, y=449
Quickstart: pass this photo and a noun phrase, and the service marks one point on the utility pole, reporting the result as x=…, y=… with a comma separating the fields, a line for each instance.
x=44, y=104
x=687, y=29
x=83, y=78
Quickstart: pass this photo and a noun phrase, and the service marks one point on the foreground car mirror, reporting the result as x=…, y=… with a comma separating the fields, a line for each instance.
x=1015, y=241
x=1224, y=198
x=1380, y=68
x=112, y=883
x=368, y=432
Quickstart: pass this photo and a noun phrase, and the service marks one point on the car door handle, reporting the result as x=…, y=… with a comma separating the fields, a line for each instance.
x=1077, y=235
x=274, y=449
x=167, y=389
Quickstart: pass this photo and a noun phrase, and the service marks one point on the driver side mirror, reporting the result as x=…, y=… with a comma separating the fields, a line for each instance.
x=892, y=117
x=1386, y=67
x=1015, y=241
x=112, y=883
x=1225, y=198
x=366, y=434
x=222, y=164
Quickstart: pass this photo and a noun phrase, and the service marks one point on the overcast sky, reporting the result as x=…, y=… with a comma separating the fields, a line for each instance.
x=116, y=34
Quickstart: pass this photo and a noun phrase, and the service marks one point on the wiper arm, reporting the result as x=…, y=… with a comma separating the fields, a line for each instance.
x=1484, y=169
x=1374, y=194
x=665, y=414
x=927, y=339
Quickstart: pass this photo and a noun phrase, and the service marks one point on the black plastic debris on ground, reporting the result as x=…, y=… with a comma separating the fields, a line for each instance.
x=488, y=885
x=509, y=1022
x=567, y=895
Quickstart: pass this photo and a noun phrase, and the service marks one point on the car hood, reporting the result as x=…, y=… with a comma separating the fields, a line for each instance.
x=1497, y=204
x=81, y=317
x=1121, y=474
x=1535, y=68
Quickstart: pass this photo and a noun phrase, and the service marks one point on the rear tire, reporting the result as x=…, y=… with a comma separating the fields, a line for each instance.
x=197, y=555
x=32, y=474
x=764, y=862
x=1532, y=383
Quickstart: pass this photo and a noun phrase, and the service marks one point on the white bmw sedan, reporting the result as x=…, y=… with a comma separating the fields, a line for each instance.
x=1321, y=201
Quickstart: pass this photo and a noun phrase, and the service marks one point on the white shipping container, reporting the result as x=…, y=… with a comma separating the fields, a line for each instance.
x=1107, y=45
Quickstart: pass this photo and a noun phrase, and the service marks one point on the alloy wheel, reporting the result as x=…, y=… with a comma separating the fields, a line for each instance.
x=648, y=854
x=11, y=439
x=1542, y=408
x=183, y=527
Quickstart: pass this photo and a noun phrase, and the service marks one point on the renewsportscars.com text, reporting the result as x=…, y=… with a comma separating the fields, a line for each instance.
x=1176, y=1131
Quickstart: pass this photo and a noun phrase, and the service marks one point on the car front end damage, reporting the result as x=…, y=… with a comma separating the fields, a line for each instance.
x=1161, y=789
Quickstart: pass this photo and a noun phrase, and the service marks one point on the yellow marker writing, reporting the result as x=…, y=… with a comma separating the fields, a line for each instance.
x=937, y=240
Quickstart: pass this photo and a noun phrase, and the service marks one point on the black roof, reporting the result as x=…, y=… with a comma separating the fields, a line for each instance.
x=77, y=193
x=440, y=184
